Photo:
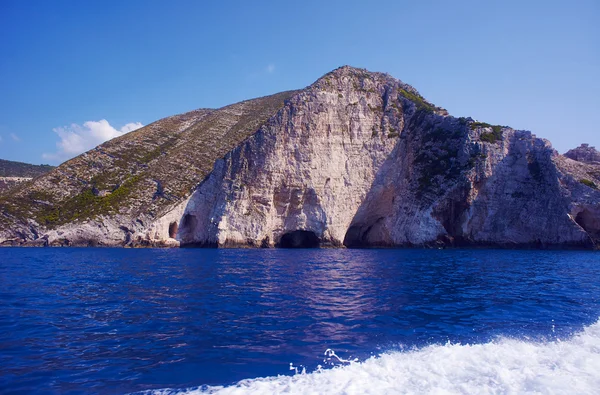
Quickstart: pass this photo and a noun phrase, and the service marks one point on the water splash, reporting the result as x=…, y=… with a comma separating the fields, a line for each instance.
x=295, y=368
x=330, y=355
x=501, y=366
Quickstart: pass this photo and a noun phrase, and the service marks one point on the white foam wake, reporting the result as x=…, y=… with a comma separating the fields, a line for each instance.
x=499, y=367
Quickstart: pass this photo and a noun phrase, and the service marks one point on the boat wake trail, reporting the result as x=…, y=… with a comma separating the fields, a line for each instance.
x=501, y=366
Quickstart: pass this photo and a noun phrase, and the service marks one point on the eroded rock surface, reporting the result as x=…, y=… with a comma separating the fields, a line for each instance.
x=362, y=160
x=357, y=159
x=309, y=168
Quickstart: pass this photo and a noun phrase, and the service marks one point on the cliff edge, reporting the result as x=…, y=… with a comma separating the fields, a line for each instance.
x=357, y=159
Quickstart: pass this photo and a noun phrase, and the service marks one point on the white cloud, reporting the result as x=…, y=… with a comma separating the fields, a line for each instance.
x=270, y=68
x=130, y=127
x=76, y=139
x=14, y=137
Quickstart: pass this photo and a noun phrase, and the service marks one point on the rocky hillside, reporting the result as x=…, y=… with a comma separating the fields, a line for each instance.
x=13, y=174
x=123, y=186
x=19, y=169
x=357, y=159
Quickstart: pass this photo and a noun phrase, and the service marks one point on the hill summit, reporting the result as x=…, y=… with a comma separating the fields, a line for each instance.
x=356, y=159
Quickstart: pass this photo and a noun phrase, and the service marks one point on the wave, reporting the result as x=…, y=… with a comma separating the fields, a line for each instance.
x=501, y=366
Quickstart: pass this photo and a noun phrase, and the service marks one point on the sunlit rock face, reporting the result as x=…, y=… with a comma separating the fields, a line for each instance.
x=360, y=159
x=357, y=159
x=309, y=168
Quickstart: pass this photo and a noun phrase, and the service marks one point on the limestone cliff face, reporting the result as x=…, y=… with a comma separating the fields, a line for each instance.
x=309, y=168
x=362, y=160
x=511, y=192
x=357, y=159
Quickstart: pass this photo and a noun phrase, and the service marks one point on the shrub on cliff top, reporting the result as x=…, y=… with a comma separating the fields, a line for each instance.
x=418, y=100
x=588, y=183
x=490, y=137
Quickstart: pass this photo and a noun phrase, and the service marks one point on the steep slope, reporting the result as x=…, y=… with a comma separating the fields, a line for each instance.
x=357, y=159
x=464, y=189
x=308, y=169
x=15, y=173
x=121, y=187
x=361, y=159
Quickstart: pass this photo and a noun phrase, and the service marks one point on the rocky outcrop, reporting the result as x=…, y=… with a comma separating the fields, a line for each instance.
x=584, y=153
x=309, y=168
x=362, y=160
x=357, y=159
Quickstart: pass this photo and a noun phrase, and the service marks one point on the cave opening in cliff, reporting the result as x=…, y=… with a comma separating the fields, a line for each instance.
x=589, y=223
x=189, y=222
x=356, y=237
x=299, y=239
x=353, y=236
x=173, y=227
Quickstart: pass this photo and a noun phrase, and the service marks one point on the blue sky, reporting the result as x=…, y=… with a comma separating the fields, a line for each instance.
x=98, y=68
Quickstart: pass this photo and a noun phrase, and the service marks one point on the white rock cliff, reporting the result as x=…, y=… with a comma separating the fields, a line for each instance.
x=361, y=160
x=357, y=159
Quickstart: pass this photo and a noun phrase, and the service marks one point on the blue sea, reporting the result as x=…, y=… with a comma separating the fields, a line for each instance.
x=171, y=321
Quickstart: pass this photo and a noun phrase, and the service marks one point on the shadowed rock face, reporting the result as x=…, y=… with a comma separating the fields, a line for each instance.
x=357, y=159
x=173, y=227
x=590, y=222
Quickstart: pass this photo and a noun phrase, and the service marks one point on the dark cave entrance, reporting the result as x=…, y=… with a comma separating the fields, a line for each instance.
x=299, y=239
x=589, y=223
x=356, y=237
x=189, y=222
x=173, y=227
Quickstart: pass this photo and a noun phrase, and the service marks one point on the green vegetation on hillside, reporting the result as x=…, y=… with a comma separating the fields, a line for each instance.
x=438, y=157
x=588, y=183
x=141, y=173
x=490, y=137
x=88, y=205
x=419, y=101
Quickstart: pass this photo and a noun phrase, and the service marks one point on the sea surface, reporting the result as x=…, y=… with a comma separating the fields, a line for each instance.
x=169, y=321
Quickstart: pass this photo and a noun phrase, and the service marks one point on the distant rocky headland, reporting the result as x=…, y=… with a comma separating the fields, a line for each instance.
x=13, y=174
x=357, y=159
x=584, y=153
